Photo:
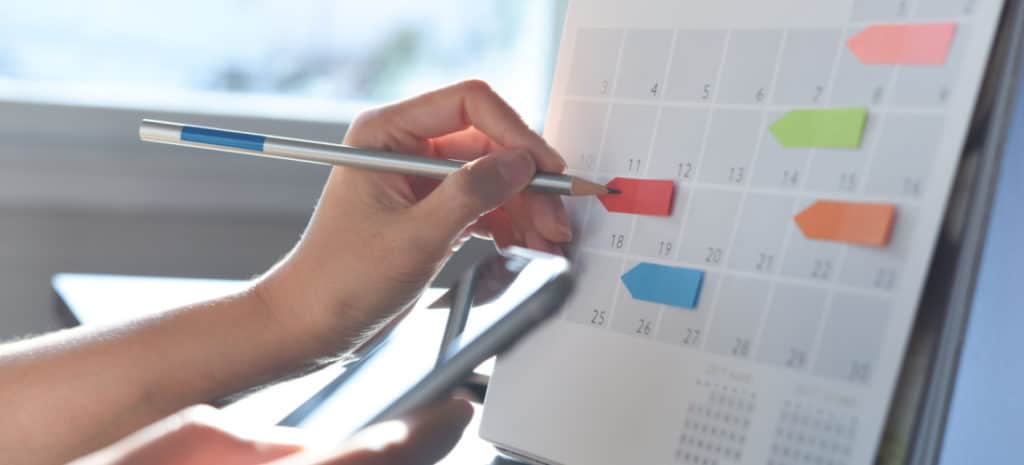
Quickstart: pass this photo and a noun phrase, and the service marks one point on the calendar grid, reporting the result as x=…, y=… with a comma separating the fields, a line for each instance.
x=781, y=272
x=898, y=109
x=766, y=307
x=709, y=320
x=599, y=155
x=791, y=192
x=646, y=166
x=812, y=356
x=650, y=152
x=802, y=282
x=861, y=189
x=820, y=310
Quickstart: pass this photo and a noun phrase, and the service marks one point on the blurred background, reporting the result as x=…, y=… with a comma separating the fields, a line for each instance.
x=79, y=193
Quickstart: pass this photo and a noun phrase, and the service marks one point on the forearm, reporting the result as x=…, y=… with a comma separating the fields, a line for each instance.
x=68, y=393
x=375, y=241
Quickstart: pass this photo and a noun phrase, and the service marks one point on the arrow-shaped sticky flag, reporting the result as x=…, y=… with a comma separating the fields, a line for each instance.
x=903, y=44
x=667, y=285
x=833, y=128
x=850, y=222
x=640, y=196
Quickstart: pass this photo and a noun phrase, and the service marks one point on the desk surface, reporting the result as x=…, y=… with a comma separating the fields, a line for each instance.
x=95, y=299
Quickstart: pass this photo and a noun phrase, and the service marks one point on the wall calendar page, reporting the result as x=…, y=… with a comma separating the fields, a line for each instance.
x=784, y=167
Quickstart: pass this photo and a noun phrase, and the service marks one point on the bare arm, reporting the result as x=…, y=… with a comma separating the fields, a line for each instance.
x=374, y=242
x=74, y=391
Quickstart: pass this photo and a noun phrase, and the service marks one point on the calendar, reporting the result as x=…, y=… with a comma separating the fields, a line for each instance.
x=784, y=168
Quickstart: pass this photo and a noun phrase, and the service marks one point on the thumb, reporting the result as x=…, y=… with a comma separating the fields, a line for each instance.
x=477, y=188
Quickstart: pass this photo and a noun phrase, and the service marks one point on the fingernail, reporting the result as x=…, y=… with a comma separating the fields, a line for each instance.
x=516, y=168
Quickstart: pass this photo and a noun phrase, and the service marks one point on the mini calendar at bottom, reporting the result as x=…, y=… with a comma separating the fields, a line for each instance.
x=784, y=168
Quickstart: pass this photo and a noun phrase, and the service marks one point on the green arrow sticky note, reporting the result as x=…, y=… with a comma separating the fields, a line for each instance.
x=832, y=128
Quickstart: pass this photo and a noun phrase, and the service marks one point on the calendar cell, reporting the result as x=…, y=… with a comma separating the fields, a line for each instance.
x=594, y=307
x=708, y=228
x=605, y=230
x=791, y=326
x=881, y=268
x=627, y=140
x=873, y=10
x=778, y=167
x=643, y=66
x=579, y=140
x=634, y=317
x=677, y=144
x=857, y=83
x=871, y=269
x=930, y=85
x=806, y=66
x=695, y=64
x=593, y=62
x=749, y=66
x=842, y=170
x=731, y=143
x=686, y=327
x=852, y=338
x=943, y=8
x=740, y=304
x=809, y=259
x=657, y=236
x=762, y=227
x=904, y=155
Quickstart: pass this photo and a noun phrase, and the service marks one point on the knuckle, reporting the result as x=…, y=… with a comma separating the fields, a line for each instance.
x=476, y=86
x=364, y=123
x=365, y=118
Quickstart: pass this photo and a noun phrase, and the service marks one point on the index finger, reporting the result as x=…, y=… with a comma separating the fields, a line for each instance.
x=470, y=103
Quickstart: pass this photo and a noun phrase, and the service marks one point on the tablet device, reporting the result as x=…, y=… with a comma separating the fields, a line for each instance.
x=404, y=372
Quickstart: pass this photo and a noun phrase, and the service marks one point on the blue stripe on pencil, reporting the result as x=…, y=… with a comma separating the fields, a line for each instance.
x=223, y=138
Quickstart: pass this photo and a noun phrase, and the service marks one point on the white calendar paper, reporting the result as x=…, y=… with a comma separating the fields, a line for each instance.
x=791, y=353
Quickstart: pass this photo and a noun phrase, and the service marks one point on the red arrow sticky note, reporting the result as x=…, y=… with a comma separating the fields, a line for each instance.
x=903, y=44
x=640, y=196
x=850, y=222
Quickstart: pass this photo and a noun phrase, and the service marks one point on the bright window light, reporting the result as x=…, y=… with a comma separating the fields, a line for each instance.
x=307, y=59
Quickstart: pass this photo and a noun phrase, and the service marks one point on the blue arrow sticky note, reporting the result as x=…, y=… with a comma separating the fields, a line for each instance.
x=668, y=285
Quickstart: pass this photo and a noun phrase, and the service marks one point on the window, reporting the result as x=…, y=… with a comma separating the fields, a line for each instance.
x=306, y=59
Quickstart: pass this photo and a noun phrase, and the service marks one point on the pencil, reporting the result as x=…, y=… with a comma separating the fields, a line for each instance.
x=324, y=153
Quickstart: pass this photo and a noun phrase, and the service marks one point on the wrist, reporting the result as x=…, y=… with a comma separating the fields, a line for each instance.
x=322, y=325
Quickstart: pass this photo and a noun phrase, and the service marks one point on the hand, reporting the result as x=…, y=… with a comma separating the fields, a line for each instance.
x=376, y=239
x=199, y=436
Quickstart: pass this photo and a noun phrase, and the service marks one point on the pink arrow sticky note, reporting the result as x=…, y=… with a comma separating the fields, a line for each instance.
x=903, y=44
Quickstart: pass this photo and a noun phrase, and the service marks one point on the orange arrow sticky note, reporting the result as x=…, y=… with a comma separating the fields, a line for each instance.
x=850, y=222
x=640, y=196
x=903, y=44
